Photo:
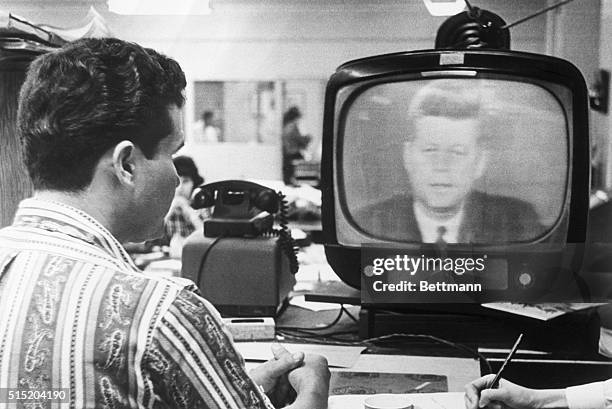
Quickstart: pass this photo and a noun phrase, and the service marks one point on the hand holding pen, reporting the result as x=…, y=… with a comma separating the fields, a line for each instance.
x=510, y=395
x=492, y=388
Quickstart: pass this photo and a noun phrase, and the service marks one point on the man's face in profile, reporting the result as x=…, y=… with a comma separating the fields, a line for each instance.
x=158, y=181
x=443, y=161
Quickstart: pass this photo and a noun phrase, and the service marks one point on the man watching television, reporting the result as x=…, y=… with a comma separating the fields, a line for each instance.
x=445, y=152
x=100, y=121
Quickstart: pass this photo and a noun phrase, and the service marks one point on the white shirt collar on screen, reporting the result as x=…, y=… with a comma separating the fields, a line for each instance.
x=429, y=226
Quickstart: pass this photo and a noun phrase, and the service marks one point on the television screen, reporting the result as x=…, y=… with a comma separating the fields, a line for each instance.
x=464, y=160
x=466, y=167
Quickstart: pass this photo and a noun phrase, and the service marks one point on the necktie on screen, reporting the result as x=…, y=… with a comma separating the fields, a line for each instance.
x=440, y=243
x=441, y=232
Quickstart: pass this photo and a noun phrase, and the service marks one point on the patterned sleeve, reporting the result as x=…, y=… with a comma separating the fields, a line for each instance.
x=192, y=363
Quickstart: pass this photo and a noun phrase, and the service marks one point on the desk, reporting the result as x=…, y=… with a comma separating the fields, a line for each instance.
x=452, y=400
x=564, y=355
x=544, y=371
x=568, y=344
x=378, y=373
x=420, y=362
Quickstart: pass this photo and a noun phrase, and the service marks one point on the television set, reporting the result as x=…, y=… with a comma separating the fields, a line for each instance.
x=492, y=143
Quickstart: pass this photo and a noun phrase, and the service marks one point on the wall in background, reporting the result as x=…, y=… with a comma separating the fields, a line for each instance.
x=271, y=40
x=283, y=39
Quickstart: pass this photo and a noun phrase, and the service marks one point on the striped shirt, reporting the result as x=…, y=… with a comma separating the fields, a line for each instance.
x=77, y=314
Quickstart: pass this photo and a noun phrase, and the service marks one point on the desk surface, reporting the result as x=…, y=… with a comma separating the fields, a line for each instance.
x=379, y=373
x=419, y=400
x=348, y=330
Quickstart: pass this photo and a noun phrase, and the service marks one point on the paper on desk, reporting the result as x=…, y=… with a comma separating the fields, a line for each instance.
x=315, y=272
x=543, y=311
x=458, y=371
x=337, y=355
x=314, y=265
x=446, y=400
x=300, y=301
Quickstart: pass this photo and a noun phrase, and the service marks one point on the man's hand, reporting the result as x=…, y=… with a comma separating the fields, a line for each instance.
x=288, y=375
x=311, y=383
x=272, y=375
x=510, y=396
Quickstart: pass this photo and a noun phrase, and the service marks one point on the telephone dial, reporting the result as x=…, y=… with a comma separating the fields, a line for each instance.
x=245, y=209
x=241, y=208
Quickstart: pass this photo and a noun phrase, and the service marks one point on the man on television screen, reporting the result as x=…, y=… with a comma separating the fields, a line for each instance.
x=444, y=154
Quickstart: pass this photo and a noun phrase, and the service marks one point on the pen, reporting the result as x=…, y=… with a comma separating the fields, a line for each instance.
x=495, y=382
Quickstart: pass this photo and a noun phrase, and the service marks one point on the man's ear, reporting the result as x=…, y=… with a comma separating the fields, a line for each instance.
x=124, y=162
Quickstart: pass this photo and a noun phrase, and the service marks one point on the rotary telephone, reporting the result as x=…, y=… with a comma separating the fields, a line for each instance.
x=245, y=209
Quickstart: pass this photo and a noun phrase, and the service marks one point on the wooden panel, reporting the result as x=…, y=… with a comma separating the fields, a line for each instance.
x=15, y=184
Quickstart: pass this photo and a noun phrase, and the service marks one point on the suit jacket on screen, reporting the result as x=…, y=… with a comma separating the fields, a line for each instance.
x=487, y=219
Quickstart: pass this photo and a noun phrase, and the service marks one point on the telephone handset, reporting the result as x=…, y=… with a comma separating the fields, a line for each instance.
x=235, y=198
x=245, y=209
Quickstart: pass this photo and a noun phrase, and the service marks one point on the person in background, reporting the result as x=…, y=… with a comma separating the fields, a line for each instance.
x=597, y=395
x=293, y=142
x=182, y=219
x=205, y=129
x=100, y=120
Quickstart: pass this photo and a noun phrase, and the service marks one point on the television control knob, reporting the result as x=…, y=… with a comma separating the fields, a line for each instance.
x=525, y=278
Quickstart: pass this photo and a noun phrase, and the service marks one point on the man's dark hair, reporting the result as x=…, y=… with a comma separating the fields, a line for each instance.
x=448, y=98
x=82, y=99
x=185, y=166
